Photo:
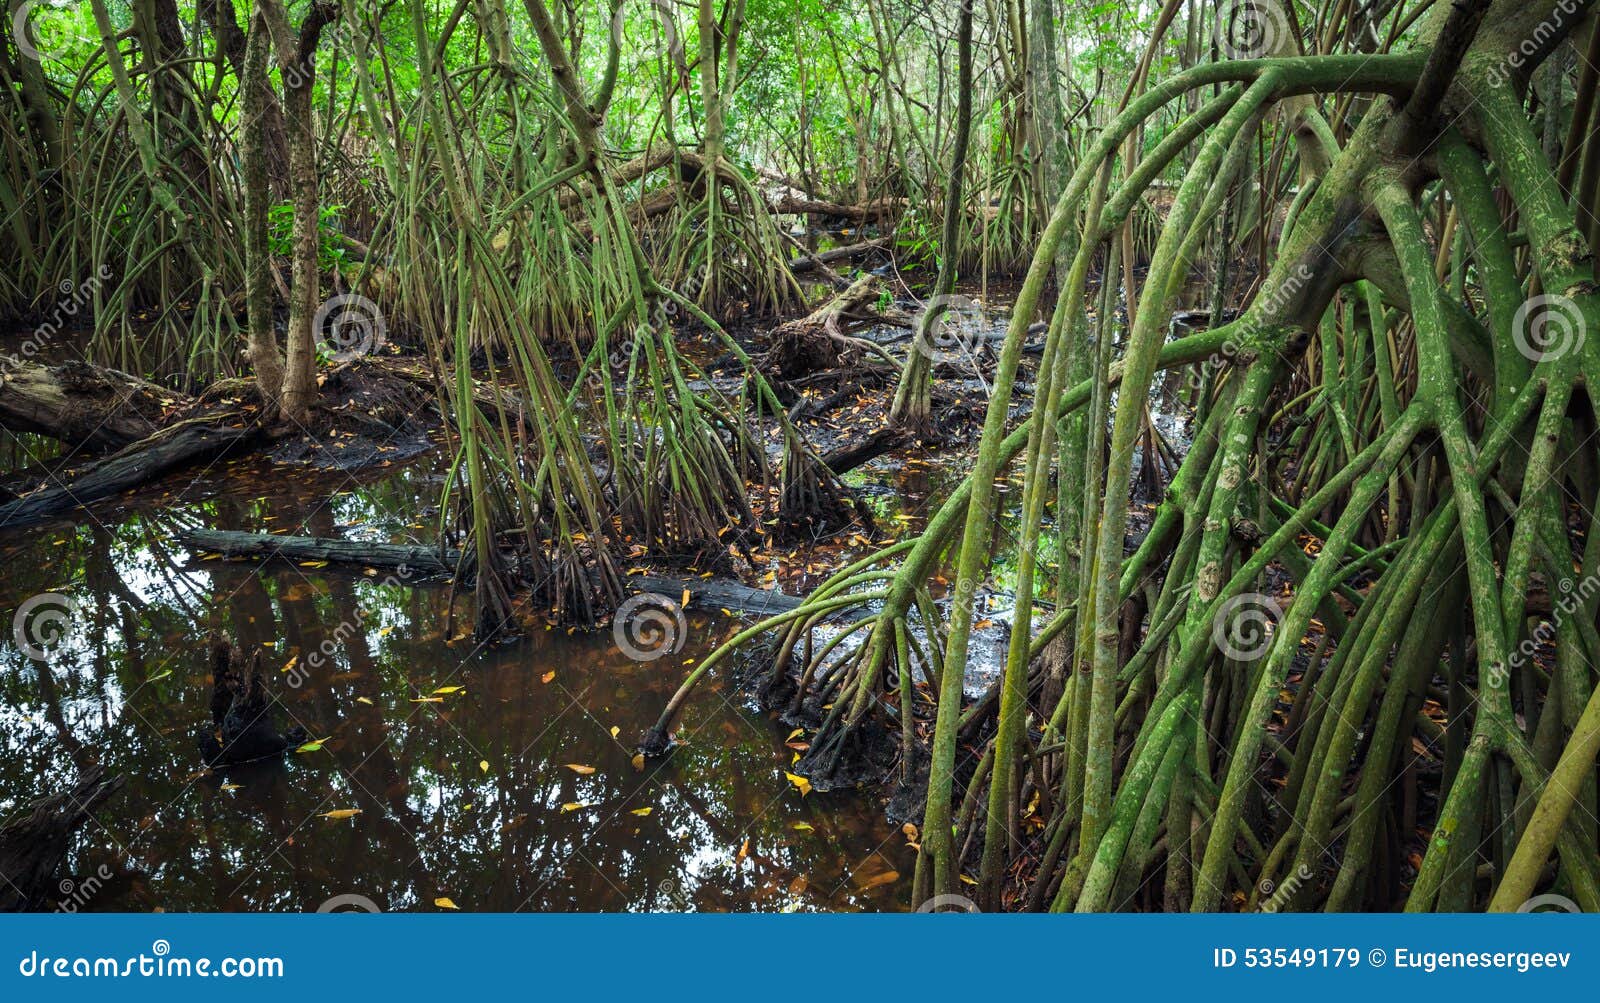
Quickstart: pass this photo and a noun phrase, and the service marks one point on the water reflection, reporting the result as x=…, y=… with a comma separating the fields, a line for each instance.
x=517, y=791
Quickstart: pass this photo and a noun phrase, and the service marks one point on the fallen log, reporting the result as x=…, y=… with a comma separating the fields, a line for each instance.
x=415, y=564
x=178, y=446
x=84, y=406
x=810, y=261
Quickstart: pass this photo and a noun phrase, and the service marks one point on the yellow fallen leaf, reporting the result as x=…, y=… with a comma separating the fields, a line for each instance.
x=339, y=813
x=641, y=812
x=443, y=902
x=803, y=827
x=548, y=676
x=483, y=764
x=427, y=700
x=449, y=689
x=364, y=700
x=638, y=761
x=313, y=564
x=580, y=769
x=614, y=731
x=795, y=734
x=572, y=806
x=800, y=782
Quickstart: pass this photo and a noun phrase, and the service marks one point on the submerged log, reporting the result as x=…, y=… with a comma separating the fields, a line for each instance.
x=36, y=840
x=167, y=450
x=416, y=564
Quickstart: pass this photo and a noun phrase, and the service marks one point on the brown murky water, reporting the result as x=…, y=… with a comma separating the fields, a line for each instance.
x=511, y=793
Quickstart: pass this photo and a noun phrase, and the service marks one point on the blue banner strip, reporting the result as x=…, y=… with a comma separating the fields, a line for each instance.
x=709, y=958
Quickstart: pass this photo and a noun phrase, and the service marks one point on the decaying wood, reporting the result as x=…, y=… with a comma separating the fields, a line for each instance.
x=416, y=564
x=170, y=449
x=84, y=406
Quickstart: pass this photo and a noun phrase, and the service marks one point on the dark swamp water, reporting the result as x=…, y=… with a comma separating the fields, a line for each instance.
x=416, y=799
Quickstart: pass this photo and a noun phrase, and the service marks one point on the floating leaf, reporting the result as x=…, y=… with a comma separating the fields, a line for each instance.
x=800, y=782
x=795, y=734
x=573, y=806
x=427, y=699
x=638, y=761
x=364, y=700
x=642, y=812
x=614, y=731
x=315, y=745
x=548, y=676
x=443, y=902
x=340, y=813
x=449, y=689
x=483, y=764
x=580, y=769
x=803, y=827
x=313, y=564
